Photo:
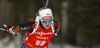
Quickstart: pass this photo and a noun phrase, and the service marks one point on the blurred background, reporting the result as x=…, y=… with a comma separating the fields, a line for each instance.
x=79, y=21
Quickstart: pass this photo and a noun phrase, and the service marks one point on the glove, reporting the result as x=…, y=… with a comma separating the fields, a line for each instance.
x=9, y=28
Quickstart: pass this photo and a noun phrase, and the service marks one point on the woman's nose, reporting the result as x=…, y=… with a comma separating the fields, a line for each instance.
x=47, y=23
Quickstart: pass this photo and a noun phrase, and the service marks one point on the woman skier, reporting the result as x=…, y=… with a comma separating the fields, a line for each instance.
x=39, y=31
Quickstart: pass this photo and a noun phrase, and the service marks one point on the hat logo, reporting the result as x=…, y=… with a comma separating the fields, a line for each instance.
x=47, y=13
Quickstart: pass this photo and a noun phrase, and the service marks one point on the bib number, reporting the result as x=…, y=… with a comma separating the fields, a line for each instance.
x=41, y=43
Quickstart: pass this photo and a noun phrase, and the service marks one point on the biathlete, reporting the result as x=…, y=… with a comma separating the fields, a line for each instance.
x=39, y=31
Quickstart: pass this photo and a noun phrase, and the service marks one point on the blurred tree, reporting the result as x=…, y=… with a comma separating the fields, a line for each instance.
x=84, y=16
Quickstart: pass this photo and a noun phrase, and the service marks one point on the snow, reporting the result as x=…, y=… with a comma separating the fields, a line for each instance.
x=58, y=45
x=16, y=43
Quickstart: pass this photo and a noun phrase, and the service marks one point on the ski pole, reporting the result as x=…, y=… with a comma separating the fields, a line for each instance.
x=7, y=31
x=46, y=3
x=3, y=29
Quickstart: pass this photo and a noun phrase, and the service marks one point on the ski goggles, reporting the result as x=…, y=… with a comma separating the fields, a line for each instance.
x=45, y=21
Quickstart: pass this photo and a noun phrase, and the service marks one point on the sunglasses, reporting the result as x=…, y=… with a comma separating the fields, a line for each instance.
x=45, y=21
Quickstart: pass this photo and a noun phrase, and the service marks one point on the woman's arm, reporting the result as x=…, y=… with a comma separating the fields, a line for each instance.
x=23, y=26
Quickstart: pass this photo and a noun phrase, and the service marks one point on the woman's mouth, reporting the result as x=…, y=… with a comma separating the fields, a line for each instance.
x=47, y=25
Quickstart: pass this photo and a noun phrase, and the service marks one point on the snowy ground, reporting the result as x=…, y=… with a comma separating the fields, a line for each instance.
x=16, y=42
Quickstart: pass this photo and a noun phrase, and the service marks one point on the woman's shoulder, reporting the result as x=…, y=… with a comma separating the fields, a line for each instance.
x=57, y=26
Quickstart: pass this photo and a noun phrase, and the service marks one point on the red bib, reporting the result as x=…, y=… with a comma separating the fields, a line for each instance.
x=40, y=38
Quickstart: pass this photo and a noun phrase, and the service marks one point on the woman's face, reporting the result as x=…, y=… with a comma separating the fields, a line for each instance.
x=46, y=25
